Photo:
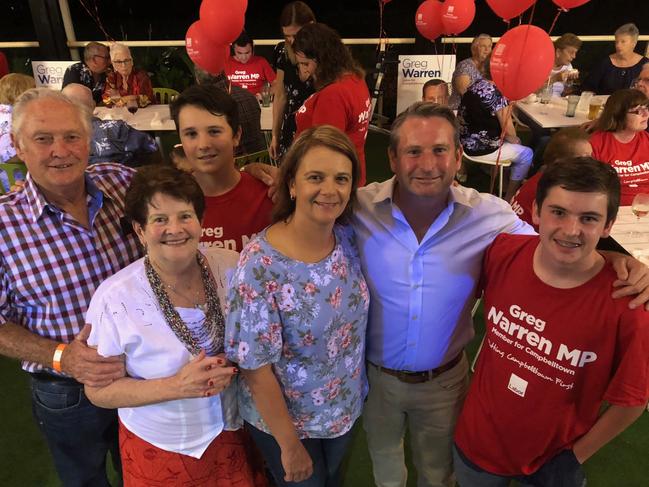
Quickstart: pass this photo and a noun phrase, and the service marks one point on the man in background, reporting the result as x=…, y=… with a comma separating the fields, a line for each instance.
x=90, y=72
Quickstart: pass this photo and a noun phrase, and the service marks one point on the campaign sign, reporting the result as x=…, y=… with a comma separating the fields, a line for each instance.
x=49, y=74
x=415, y=70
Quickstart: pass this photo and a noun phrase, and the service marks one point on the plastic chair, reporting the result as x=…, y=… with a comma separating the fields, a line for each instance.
x=8, y=174
x=501, y=166
x=262, y=156
x=164, y=96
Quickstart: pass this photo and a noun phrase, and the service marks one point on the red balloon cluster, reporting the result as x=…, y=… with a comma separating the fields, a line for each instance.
x=208, y=39
x=434, y=18
x=521, y=61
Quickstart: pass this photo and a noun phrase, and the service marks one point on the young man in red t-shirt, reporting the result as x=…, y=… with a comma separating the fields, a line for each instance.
x=556, y=346
x=246, y=70
x=236, y=204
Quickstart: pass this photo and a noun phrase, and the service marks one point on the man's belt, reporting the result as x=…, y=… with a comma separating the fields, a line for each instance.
x=423, y=376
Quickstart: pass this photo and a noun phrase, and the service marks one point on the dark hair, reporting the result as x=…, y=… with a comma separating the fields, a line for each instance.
x=568, y=40
x=319, y=136
x=423, y=109
x=433, y=82
x=243, y=40
x=618, y=104
x=296, y=13
x=209, y=98
x=582, y=175
x=562, y=144
x=164, y=179
x=321, y=43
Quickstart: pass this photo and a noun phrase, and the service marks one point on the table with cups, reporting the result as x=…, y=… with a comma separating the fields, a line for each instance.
x=559, y=112
x=632, y=232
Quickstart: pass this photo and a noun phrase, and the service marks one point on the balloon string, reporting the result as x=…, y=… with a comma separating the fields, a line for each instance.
x=554, y=22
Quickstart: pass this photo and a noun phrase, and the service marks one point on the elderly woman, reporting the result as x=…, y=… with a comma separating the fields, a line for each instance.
x=341, y=98
x=291, y=91
x=620, y=139
x=619, y=70
x=484, y=115
x=469, y=70
x=298, y=312
x=126, y=80
x=565, y=51
x=164, y=313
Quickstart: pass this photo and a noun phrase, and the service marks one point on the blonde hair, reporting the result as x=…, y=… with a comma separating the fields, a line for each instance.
x=12, y=85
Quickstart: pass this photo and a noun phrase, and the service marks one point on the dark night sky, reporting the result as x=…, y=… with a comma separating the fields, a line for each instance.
x=358, y=18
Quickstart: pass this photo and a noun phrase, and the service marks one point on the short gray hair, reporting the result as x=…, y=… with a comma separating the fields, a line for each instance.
x=117, y=47
x=423, y=109
x=477, y=38
x=629, y=29
x=29, y=96
x=91, y=49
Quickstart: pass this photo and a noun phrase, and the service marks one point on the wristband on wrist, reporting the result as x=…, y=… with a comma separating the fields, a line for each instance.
x=56, y=359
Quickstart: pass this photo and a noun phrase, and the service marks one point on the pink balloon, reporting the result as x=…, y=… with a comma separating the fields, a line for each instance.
x=206, y=54
x=428, y=19
x=223, y=20
x=521, y=61
x=508, y=9
x=570, y=3
x=457, y=16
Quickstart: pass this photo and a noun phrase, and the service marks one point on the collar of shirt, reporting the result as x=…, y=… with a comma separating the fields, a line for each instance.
x=38, y=203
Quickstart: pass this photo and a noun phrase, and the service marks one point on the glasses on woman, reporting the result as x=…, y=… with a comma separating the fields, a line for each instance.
x=123, y=61
x=641, y=110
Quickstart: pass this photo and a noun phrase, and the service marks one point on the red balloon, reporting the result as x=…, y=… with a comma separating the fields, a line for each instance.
x=223, y=20
x=521, y=61
x=570, y=3
x=428, y=19
x=508, y=9
x=206, y=54
x=457, y=15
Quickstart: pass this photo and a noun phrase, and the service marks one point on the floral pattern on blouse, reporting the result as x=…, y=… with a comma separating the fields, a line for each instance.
x=479, y=126
x=80, y=73
x=468, y=68
x=7, y=150
x=308, y=321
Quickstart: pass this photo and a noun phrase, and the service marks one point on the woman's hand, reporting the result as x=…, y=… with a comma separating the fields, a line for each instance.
x=273, y=148
x=297, y=462
x=203, y=376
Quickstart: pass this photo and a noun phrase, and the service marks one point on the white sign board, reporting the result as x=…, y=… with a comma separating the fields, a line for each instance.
x=415, y=70
x=49, y=74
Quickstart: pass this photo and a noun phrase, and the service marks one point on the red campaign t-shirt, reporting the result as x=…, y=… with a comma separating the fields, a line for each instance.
x=250, y=76
x=345, y=104
x=523, y=199
x=231, y=219
x=549, y=359
x=630, y=160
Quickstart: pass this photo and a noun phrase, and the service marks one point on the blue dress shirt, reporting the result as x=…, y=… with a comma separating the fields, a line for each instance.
x=422, y=292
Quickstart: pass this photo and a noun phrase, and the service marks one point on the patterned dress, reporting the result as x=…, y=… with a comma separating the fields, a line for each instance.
x=308, y=321
x=468, y=68
x=297, y=91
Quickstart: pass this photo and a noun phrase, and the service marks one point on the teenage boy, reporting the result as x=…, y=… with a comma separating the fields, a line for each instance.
x=236, y=204
x=557, y=345
x=246, y=70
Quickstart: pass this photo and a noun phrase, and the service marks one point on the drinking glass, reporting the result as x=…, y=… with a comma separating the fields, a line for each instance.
x=640, y=208
x=573, y=100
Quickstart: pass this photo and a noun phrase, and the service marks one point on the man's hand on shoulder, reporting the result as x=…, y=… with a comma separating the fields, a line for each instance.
x=265, y=173
x=87, y=366
x=632, y=279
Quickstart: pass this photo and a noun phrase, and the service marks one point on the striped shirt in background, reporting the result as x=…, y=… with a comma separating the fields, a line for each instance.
x=50, y=265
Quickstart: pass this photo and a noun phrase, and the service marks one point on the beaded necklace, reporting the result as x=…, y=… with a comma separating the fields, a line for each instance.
x=213, y=329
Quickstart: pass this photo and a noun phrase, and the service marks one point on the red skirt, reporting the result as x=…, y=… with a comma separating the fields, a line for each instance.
x=229, y=461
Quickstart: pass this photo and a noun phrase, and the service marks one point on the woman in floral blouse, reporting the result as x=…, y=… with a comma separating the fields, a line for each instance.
x=298, y=311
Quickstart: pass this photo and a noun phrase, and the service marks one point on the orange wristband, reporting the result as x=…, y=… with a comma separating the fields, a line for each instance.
x=56, y=359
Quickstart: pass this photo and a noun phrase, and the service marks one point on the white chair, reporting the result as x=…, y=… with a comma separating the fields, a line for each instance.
x=501, y=166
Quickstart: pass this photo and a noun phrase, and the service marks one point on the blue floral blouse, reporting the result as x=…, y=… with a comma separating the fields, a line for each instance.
x=465, y=67
x=308, y=321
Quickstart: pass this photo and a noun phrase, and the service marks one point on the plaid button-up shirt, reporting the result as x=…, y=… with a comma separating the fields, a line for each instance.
x=50, y=265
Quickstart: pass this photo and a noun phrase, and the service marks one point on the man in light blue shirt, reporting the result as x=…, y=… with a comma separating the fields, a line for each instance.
x=422, y=242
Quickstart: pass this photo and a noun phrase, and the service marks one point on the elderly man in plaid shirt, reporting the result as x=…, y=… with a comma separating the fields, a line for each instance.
x=59, y=239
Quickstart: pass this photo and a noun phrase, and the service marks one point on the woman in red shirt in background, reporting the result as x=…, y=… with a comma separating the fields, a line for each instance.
x=341, y=98
x=621, y=140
